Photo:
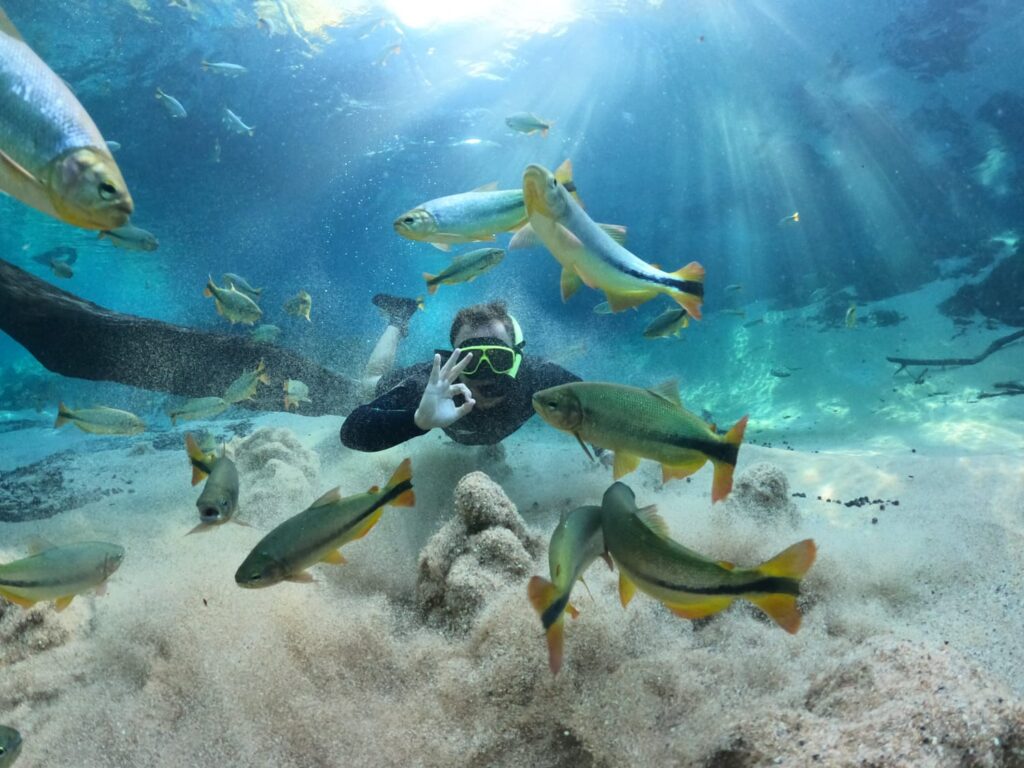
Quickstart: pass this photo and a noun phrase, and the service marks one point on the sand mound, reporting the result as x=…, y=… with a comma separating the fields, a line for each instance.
x=26, y=632
x=761, y=492
x=474, y=555
x=278, y=474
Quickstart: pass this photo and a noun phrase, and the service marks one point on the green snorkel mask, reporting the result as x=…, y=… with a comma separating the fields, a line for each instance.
x=492, y=357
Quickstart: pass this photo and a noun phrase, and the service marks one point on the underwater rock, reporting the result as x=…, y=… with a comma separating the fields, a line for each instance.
x=278, y=474
x=888, y=703
x=40, y=490
x=77, y=338
x=474, y=554
x=761, y=492
x=998, y=296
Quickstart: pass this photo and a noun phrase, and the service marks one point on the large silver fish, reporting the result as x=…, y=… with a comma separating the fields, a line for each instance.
x=52, y=156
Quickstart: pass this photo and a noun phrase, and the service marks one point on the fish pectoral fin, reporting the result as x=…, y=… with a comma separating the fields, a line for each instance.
x=583, y=445
x=21, y=184
x=650, y=517
x=616, y=232
x=37, y=544
x=566, y=239
x=101, y=589
x=63, y=602
x=626, y=589
x=781, y=608
x=677, y=471
x=608, y=560
x=488, y=187
x=525, y=237
x=24, y=602
x=570, y=283
x=442, y=247
x=334, y=557
x=622, y=301
x=8, y=28
x=201, y=528
x=699, y=610
x=624, y=464
x=302, y=577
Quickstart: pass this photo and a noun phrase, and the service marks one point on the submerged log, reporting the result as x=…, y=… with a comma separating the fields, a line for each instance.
x=942, y=362
x=74, y=337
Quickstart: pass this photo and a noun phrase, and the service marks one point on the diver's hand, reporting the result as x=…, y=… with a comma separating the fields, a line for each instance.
x=437, y=407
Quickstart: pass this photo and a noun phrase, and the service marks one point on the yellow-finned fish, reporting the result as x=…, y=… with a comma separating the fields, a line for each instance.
x=669, y=323
x=218, y=501
x=233, y=305
x=266, y=334
x=588, y=255
x=479, y=215
x=529, y=123
x=577, y=541
x=199, y=408
x=52, y=156
x=648, y=423
x=59, y=573
x=202, y=455
x=687, y=583
x=295, y=393
x=316, y=534
x=100, y=420
x=244, y=387
x=464, y=268
x=299, y=305
x=240, y=284
x=10, y=746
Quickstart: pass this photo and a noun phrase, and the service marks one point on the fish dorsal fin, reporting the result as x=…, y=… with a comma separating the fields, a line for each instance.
x=650, y=517
x=8, y=28
x=668, y=390
x=331, y=497
x=37, y=544
x=488, y=187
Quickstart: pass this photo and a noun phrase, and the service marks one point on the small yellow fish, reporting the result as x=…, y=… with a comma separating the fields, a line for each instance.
x=199, y=408
x=299, y=305
x=59, y=573
x=233, y=305
x=295, y=393
x=100, y=420
x=244, y=387
x=793, y=218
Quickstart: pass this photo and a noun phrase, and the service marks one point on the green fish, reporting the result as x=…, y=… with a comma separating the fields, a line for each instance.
x=240, y=284
x=244, y=387
x=59, y=260
x=224, y=68
x=577, y=541
x=687, y=583
x=315, y=535
x=100, y=420
x=10, y=746
x=202, y=455
x=266, y=334
x=299, y=305
x=479, y=215
x=295, y=394
x=669, y=323
x=59, y=573
x=464, y=268
x=131, y=238
x=648, y=423
x=199, y=408
x=528, y=123
x=52, y=156
x=218, y=502
x=232, y=305
x=590, y=256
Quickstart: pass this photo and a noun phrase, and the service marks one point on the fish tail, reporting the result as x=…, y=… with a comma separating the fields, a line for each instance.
x=551, y=606
x=63, y=416
x=205, y=64
x=722, y=483
x=691, y=273
x=195, y=454
x=792, y=564
x=431, y=287
x=208, y=290
x=401, y=481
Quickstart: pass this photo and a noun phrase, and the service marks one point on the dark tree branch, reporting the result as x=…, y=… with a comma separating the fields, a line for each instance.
x=940, y=362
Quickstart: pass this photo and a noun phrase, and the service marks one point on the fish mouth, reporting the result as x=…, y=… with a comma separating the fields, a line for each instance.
x=535, y=179
x=209, y=515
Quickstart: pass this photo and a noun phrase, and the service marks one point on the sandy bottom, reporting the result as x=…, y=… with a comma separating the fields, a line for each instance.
x=178, y=666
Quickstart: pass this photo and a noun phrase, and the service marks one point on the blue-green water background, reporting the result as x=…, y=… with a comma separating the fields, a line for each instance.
x=697, y=125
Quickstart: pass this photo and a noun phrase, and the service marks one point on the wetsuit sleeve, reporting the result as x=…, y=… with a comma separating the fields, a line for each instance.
x=385, y=422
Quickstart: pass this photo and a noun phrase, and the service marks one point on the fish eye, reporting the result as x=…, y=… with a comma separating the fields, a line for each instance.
x=552, y=405
x=107, y=190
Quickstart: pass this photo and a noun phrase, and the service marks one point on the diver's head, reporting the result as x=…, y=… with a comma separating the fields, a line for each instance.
x=560, y=407
x=416, y=224
x=493, y=337
x=87, y=190
x=543, y=194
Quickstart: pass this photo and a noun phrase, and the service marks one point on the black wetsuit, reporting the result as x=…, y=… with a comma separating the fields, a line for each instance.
x=388, y=420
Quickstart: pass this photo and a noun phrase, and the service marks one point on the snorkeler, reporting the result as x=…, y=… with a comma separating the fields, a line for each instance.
x=479, y=391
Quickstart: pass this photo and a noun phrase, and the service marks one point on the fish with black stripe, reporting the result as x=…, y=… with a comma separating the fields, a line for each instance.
x=689, y=584
x=643, y=423
x=316, y=534
x=59, y=573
